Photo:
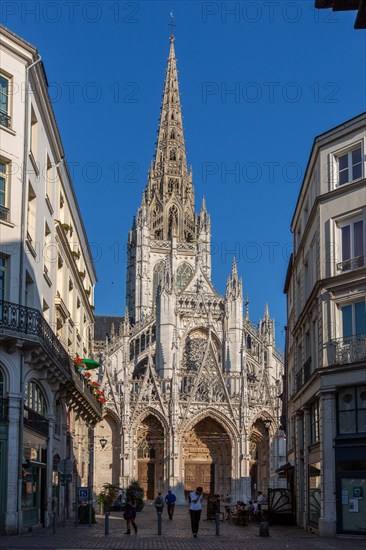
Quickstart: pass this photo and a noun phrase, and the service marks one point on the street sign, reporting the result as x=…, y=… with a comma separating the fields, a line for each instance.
x=65, y=478
x=65, y=466
x=83, y=493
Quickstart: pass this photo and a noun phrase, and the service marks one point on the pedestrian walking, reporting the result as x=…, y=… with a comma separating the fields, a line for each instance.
x=195, y=509
x=170, y=499
x=129, y=514
x=261, y=499
x=159, y=504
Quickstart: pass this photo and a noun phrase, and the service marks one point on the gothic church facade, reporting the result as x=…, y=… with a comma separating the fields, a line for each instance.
x=193, y=385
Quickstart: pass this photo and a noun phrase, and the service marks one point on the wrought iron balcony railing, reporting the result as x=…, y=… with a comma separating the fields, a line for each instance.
x=4, y=214
x=5, y=119
x=352, y=263
x=349, y=350
x=28, y=321
x=18, y=321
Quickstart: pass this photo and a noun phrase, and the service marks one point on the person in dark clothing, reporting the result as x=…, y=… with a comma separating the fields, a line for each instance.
x=159, y=504
x=129, y=514
x=170, y=499
x=195, y=509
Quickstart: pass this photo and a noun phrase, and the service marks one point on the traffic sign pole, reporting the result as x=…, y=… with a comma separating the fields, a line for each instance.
x=77, y=507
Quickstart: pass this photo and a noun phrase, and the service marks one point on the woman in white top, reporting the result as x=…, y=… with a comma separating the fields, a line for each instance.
x=195, y=508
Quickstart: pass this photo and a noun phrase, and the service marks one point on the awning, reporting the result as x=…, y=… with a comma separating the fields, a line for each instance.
x=285, y=467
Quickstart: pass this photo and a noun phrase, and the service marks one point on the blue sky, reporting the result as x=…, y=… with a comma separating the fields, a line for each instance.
x=258, y=81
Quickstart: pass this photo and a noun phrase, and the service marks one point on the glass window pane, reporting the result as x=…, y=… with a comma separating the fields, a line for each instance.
x=361, y=397
x=360, y=318
x=343, y=162
x=346, y=399
x=4, y=92
x=356, y=156
x=358, y=238
x=346, y=242
x=343, y=176
x=357, y=171
x=347, y=321
x=361, y=421
x=347, y=422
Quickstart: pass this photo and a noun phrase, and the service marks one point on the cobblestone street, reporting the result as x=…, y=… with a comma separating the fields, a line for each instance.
x=176, y=535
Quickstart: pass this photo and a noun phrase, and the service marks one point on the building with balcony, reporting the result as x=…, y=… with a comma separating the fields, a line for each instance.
x=325, y=367
x=47, y=279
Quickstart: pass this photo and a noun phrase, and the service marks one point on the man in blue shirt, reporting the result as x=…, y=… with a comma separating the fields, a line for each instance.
x=170, y=501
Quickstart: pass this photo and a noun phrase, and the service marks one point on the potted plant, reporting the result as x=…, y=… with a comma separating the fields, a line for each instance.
x=66, y=227
x=108, y=495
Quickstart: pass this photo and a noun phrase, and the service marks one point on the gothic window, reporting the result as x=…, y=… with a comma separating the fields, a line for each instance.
x=184, y=273
x=249, y=342
x=173, y=154
x=172, y=117
x=143, y=345
x=173, y=184
x=146, y=450
x=172, y=135
x=159, y=269
x=194, y=352
x=172, y=220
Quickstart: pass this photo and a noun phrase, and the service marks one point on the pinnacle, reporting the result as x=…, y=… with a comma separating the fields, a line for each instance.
x=266, y=311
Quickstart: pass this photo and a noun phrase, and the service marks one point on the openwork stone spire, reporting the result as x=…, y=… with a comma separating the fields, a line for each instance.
x=169, y=190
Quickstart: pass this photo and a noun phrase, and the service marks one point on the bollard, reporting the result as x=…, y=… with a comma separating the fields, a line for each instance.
x=217, y=520
x=159, y=523
x=264, y=529
x=54, y=522
x=106, y=523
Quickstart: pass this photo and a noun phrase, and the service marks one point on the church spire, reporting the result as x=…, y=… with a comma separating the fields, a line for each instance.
x=170, y=195
x=170, y=144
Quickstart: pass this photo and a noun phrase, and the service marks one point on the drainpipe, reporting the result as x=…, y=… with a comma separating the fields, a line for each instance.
x=21, y=297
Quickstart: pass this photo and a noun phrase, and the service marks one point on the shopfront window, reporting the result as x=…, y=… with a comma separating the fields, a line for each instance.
x=353, y=493
x=30, y=481
x=314, y=493
x=352, y=410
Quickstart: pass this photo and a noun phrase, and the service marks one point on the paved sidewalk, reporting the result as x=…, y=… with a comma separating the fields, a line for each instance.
x=176, y=535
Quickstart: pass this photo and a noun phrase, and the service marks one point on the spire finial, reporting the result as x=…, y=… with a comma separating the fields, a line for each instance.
x=203, y=206
x=266, y=311
x=172, y=25
x=234, y=270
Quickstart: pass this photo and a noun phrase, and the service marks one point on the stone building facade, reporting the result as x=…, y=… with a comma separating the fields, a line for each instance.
x=194, y=386
x=47, y=279
x=325, y=390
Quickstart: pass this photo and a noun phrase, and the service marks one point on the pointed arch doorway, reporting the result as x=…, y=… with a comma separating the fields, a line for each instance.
x=207, y=457
x=150, y=456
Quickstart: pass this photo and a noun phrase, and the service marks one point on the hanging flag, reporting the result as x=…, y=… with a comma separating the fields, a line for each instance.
x=90, y=364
